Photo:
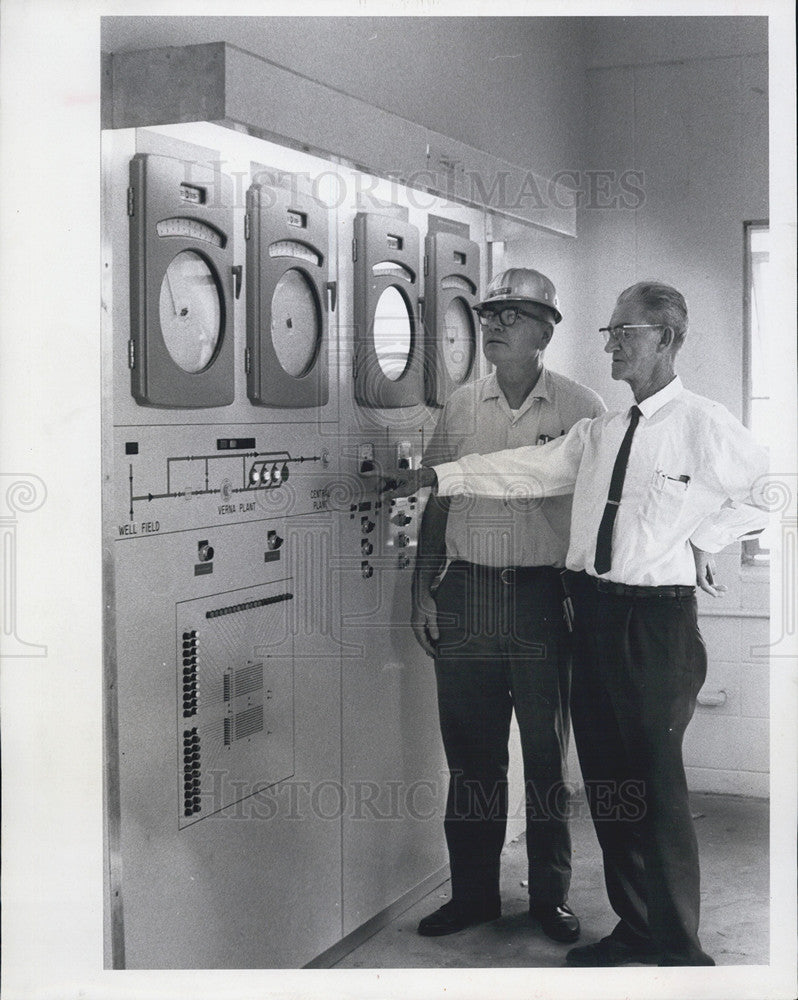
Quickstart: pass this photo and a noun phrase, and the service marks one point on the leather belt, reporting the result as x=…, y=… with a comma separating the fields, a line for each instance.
x=624, y=590
x=508, y=575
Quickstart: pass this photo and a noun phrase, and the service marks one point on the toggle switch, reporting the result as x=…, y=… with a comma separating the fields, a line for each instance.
x=401, y=518
x=366, y=526
x=403, y=561
x=404, y=455
x=273, y=540
x=402, y=540
x=365, y=459
x=366, y=570
x=204, y=551
x=366, y=547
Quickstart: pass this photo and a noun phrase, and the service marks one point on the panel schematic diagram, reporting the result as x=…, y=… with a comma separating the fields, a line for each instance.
x=235, y=697
x=253, y=471
x=170, y=480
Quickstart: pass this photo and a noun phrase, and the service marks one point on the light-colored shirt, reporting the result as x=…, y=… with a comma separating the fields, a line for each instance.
x=477, y=418
x=693, y=471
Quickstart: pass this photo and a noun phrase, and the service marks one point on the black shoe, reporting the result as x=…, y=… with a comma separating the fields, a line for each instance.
x=456, y=916
x=699, y=959
x=560, y=923
x=610, y=951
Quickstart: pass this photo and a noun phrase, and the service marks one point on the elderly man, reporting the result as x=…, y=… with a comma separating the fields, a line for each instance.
x=494, y=622
x=656, y=489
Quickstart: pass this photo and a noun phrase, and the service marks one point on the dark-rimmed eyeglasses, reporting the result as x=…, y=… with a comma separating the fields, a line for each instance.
x=620, y=334
x=506, y=316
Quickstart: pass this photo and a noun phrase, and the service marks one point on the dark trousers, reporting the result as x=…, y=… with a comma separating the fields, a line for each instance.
x=503, y=646
x=639, y=664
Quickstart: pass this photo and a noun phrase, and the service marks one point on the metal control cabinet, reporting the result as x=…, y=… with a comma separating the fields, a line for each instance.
x=274, y=774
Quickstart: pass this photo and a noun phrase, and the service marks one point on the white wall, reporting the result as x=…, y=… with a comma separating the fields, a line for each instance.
x=698, y=130
x=685, y=102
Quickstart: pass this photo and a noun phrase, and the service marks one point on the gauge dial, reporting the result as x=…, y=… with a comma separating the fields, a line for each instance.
x=458, y=340
x=290, y=248
x=192, y=228
x=455, y=281
x=190, y=311
x=296, y=323
x=390, y=269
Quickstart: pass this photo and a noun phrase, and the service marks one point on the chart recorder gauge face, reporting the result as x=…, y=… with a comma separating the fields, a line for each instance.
x=457, y=340
x=393, y=333
x=388, y=351
x=450, y=326
x=286, y=360
x=190, y=311
x=181, y=348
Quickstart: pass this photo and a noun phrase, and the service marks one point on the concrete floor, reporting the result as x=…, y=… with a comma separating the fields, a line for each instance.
x=733, y=839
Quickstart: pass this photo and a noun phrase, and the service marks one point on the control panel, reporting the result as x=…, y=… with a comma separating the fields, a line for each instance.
x=261, y=666
x=235, y=710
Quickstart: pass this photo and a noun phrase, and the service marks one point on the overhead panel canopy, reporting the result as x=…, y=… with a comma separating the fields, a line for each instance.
x=221, y=83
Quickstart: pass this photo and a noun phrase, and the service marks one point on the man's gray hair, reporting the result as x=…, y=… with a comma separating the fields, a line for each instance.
x=663, y=304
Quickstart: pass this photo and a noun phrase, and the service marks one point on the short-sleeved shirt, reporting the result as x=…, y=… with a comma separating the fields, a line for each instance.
x=477, y=419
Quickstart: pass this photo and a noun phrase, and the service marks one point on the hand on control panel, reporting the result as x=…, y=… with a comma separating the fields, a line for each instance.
x=406, y=483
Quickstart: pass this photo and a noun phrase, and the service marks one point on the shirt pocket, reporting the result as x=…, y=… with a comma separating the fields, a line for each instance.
x=664, y=500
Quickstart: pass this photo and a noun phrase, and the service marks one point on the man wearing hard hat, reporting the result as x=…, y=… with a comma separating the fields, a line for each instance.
x=488, y=608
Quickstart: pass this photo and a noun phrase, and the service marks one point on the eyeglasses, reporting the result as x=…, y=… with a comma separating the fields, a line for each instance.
x=506, y=316
x=621, y=333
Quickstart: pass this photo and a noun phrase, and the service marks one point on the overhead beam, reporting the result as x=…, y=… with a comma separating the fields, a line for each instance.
x=219, y=82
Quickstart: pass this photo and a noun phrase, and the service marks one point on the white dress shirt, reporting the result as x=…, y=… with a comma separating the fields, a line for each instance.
x=477, y=419
x=692, y=467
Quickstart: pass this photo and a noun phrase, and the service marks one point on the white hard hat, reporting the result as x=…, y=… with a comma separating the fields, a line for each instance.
x=522, y=284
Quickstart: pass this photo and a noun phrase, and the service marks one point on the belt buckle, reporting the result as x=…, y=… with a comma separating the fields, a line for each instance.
x=507, y=575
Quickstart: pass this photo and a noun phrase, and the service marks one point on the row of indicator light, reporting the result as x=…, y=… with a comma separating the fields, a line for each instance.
x=192, y=798
x=260, y=476
x=190, y=679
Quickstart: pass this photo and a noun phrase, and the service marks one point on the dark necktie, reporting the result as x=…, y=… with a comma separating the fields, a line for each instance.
x=603, y=559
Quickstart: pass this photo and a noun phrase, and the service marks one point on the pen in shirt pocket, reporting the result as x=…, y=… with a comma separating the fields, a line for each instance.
x=660, y=478
x=545, y=438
